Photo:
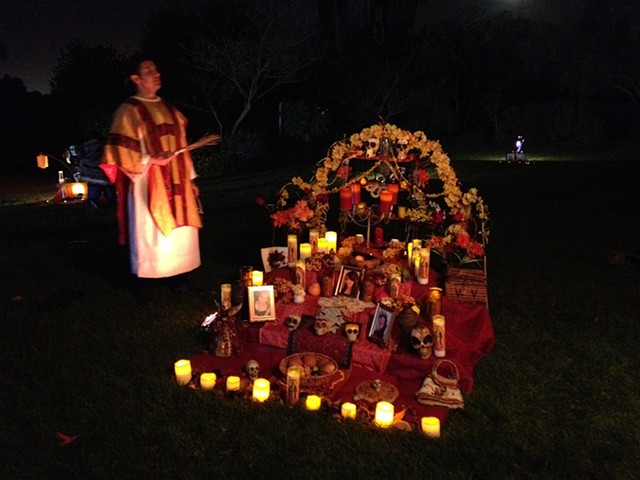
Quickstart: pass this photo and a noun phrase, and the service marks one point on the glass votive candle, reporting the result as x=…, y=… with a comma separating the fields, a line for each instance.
x=182, y=370
x=207, y=381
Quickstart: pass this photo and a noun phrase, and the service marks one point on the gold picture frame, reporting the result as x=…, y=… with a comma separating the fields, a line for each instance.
x=262, y=303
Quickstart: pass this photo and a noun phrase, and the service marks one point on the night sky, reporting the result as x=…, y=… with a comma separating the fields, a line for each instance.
x=35, y=32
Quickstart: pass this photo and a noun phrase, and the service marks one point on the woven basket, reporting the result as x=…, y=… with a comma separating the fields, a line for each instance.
x=312, y=380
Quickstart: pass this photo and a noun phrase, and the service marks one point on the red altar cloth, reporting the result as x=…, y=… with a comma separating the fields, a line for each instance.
x=469, y=337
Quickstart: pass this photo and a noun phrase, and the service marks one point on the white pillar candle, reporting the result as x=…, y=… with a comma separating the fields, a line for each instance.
x=257, y=277
x=332, y=241
x=322, y=245
x=384, y=414
x=430, y=426
x=305, y=250
x=261, y=389
x=207, y=381
x=313, y=402
x=233, y=383
x=348, y=410
x=182, y=369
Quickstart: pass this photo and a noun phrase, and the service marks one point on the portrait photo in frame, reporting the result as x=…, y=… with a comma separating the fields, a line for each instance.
x=262, y=303
x=382, y=325
x=350, y=282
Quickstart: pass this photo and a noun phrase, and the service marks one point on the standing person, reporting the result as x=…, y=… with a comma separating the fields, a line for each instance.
x=157, y=206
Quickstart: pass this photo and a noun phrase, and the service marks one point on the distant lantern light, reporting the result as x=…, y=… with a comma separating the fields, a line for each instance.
x=519, y=144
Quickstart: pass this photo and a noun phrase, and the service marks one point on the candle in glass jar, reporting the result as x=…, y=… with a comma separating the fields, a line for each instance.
x=225, y=295
x=401, y=212
x=257, y=278
x=261, y=389
x=423, y=267
x=348, y=410
x=207, y=381
x=386, y=198
x=393, y=188
x=332, y=241
x=355, y=193
x=439, y=342
x=384, y=414
x=346, y=201
x=182, y=369
x=305, y=250
x=378, y=236
x=430, y=426
x=292, y=250
x=313, y=240
x=233, y=383
x=313, y=402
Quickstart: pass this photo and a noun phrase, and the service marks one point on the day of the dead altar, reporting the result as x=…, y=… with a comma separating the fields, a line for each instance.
x=376, y=303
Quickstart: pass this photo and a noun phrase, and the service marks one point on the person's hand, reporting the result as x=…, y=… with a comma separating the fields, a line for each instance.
x=162, y=159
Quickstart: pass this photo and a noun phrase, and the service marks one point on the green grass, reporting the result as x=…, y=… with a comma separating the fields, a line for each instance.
x=557, y=398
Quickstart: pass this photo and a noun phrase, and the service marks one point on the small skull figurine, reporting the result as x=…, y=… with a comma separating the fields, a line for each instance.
x=352, y=330
x=292, y=322
x=252, y=368
x=372, y=147
x=321, y=326
x=402, y=148
x=422, y=341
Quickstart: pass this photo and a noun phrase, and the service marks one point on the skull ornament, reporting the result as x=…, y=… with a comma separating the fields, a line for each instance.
x=352, y=330
x=321, y=326
x=252, y=368
x=401, y=148
x=422, y=341
x=372, y=146
x=292, y=322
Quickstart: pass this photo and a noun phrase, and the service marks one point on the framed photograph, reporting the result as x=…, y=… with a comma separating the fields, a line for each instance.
x=273, y=258
x=350, y=281
x=382, y=324
x=262, y=303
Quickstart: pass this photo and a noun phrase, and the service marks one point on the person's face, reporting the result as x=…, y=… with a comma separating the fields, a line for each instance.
x=349, y=281
x=147, y=81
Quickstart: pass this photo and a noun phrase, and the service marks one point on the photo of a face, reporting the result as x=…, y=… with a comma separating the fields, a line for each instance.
x=349, y=283
x=262, y=305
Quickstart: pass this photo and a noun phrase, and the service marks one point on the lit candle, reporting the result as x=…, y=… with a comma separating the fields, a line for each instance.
x=430, y=426
x=378, y=236
x=305, y=250
x=332, y=241
x=233, y=383
x=346, y=201
x=225, y=295
x=439, y=344
x=313, y=402
x=313, y=240
x=292, y=249
x=386, y=198
x=207, y=381
x=293, y=384
x=355, y=193
x=261, y=389
x=257, y=277
x=43, y=161
x=423, y=267
x=183, y=371
x=384, y=414
x=348, y=410
x=393, y=188
x=401, y=212
x=359, y=238
x=322, y=245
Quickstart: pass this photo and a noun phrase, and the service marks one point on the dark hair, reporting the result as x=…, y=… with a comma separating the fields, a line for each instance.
x=132, y=64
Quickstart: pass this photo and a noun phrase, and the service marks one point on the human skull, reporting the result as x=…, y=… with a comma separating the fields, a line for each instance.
x=352, y=330
x=376, y=384
x=253, y=369
x=402, y=148
x=292, y=322
x=422, y=341
x=321, y=326
x=372, y=147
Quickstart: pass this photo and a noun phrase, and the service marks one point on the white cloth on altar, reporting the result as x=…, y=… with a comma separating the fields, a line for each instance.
x=153, y=255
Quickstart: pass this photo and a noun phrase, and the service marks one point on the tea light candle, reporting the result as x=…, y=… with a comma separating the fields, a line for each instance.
x=233, y=383
x=348, y=410
x=182, y=369
x=355, y=193
x=332, y=241
x=207, y=381
x=261, y=389
x=313, y=402
x=393, y=188
x=305, y=250
x=384, y=414
x=430, y=426
x=257, y=277
x=386, y=198
x=322, y=245
x=346, y=202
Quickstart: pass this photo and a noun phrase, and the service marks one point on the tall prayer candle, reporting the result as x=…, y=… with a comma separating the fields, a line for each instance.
x=430, y=426
x=384, y=414
x=401, y=212
x=257, y=278
x=332, y=241
x=348, y=410
x=313, y=240
x=182, y=369
x=292, y=249
x=423, y=267
x=313, y=402
x=393, y=188
x=355, y=193
x=346, y=201
x=261, y=389
x=378, y=236
x=207, y=381
x=225, y=295
x=386, y=198
x=439, y=344
x=305, y=250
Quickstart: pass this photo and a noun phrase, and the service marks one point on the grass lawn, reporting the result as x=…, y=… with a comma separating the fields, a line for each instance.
x=558, y=398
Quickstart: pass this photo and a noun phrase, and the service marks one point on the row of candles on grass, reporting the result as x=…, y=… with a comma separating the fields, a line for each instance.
x=384, y=414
